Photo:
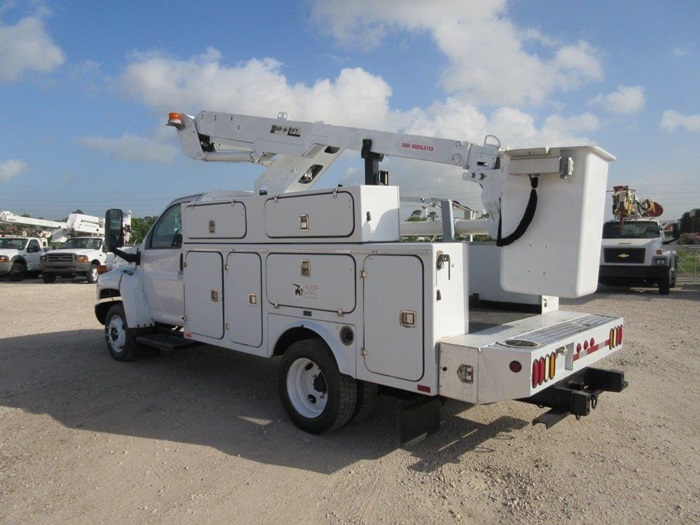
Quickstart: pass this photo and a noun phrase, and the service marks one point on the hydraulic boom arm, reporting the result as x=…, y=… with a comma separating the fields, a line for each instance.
x=303, y=151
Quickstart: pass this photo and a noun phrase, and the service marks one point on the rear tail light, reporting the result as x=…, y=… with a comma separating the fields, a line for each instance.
x=544, y=369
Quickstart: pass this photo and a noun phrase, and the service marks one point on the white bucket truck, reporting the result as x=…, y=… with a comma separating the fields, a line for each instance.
x=322, y=279
x=635, y=246
x=83, y=253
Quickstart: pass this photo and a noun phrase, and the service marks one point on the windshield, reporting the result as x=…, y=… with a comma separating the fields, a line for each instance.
x=13, y=244
x=631, y=230
x=85, y=243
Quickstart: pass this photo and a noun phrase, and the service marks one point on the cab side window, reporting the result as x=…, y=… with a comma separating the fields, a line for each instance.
x=167, y=232
x=33, y=246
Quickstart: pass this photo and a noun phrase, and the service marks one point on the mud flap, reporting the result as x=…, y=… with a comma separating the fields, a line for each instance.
x=576, y=395
x=419, y=417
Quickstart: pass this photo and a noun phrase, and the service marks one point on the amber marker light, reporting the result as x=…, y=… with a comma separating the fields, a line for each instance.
x=175, y=120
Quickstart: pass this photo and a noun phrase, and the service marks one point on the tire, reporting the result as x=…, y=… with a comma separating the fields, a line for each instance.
x=17, y=272
x=366, y=400
x=674, y=274
x=119, y=337
x=665, y=283
x=91, y=275
x=48, y=278
x=315, y=395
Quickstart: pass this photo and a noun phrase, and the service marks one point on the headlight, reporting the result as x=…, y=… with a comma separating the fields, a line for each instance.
x=4, y=258
x=42, y=258
x=82, y=258
x=659, y=261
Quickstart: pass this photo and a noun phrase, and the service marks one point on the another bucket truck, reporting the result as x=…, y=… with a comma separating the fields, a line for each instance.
x=635, y=251
x=83, y=253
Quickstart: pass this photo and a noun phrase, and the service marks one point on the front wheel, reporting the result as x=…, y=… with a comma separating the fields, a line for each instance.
x=17, y=272
x=665, y=283
x=48, y=278
x=92, y=274
x=674, y=274
x=119, y=337
x=315, y=395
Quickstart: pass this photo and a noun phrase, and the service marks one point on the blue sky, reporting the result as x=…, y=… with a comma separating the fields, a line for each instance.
x=86, y=88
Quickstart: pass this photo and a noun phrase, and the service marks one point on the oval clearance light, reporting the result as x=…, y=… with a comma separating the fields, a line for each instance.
x=585, y=345
x=515, y=366
x=552, y=365
x=535, y=372
x=540, y=373
x=592, y=342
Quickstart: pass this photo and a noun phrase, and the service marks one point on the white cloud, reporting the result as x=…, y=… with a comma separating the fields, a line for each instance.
x=354, y=98
x=11, y=168
x=672, y=120
x=132, y=148
x=626, y=100
x=27, y=47
x=488, y=62
x=254, y=87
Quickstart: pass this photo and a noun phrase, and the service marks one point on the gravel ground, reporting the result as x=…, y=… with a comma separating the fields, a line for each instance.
x=199, y=436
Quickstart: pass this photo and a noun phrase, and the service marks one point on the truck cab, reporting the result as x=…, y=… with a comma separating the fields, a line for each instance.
x=635, y=253
x=19, y=256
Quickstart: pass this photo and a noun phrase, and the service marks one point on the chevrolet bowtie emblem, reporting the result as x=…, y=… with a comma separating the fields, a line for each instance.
x=623, y=255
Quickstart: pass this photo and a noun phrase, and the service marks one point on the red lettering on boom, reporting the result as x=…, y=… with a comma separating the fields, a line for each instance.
x=420, y=147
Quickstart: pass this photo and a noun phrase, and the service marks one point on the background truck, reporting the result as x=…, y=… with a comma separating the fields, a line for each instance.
x=634, y=246
x=19, y=256
x=321, y=278
x=83, y=254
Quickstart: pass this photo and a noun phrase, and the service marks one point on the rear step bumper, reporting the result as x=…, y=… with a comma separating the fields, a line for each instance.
x=576, y=395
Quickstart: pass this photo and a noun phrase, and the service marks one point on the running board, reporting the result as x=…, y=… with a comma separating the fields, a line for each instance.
x=165, y=341
x=576, y=395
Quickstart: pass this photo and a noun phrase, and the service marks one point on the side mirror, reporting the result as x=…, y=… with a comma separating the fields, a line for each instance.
x=114, y=236
x=114, y=229
x=675, y=234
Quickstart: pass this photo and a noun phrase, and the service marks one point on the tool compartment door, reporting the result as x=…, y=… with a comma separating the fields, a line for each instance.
x=394, y=320
x=243, y=298
x=321, y=215
x=312, y=281
x=214, y=221
x=204, y=294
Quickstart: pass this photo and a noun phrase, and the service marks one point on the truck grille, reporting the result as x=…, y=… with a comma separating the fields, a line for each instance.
x=60, y=257
x=624, y=255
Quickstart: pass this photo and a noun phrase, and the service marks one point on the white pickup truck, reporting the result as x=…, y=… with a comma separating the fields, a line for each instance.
x=19, y=256
x=78, y=256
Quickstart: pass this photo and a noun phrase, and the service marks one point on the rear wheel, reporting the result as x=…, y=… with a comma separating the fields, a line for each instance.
x=17, y=271
x=48, y=277
x=366, y=400
x=119, y=337
x=315, y=395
